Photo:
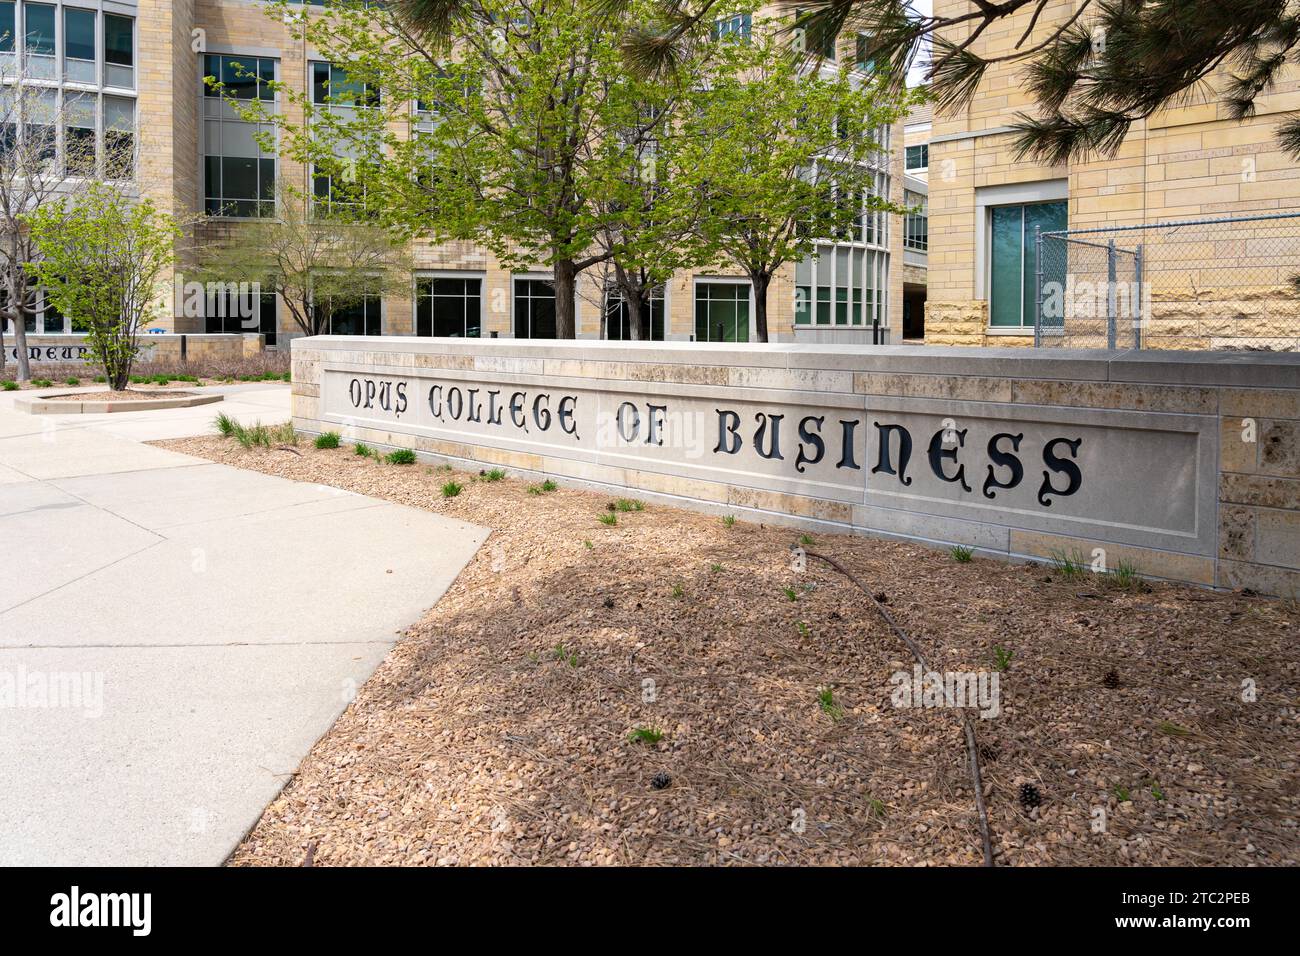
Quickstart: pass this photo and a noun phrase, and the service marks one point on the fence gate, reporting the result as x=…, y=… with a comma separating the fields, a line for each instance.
x=1089, y=292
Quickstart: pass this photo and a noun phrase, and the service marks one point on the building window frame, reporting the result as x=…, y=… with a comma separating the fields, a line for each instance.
x=1009, y=194
x=613, y=306
x=922, y=152
x=713, y=280
x=433, y=275
x=216, y=113
x=530, y=277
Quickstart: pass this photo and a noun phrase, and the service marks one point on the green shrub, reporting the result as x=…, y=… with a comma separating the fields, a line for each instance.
x=327, y=440
x=549, y=485
x=365, y=451
x=41, y=383
x=101, y=378
x=284, y=434
x=253, y=435
x=496, y=474
x=629, y=504
x=609, y=518
x=10, y=386
x=451, y=489
x=161, y=379
x=72, y=380
x=826, y=701
x=401, y=456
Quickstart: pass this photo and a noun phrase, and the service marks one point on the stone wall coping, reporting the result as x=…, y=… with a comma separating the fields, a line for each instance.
x=1239, y=369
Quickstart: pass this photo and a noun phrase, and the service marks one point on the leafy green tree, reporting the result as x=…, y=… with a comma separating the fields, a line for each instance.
x=524, y=119
x=102, y=256
x=1094, y=69
x=786, y=155
x=319, y=267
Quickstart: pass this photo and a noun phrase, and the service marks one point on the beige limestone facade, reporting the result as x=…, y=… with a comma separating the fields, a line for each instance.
x=1213, y=290
x=193, y=158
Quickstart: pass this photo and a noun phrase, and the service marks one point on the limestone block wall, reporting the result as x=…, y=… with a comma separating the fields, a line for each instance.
x=1186, y=466
x=73, y=350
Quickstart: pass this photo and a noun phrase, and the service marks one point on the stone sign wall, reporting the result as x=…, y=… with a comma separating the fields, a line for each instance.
x=72, y=349
x=1187, y=466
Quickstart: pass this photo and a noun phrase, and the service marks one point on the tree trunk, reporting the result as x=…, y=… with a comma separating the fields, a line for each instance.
x=566, y=311
x=635, y=312
x=760, y=282
x=20, y=343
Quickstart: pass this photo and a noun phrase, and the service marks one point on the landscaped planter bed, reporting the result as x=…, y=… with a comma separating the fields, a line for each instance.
x=498, y=730
x=107, y=402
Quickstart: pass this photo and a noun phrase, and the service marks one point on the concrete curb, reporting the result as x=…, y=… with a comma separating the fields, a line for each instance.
x=44, y=405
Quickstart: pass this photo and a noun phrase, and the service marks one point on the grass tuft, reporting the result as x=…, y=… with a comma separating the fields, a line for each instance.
x=451, y=489
x=961, y=554
x=609, y=518
x=327, y=440
x=826, y=701
x=401, y=456
x=362, y=449
x=646, y=735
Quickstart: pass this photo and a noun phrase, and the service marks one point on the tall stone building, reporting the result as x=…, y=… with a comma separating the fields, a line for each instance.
x=143, y=64
x=1190, y=162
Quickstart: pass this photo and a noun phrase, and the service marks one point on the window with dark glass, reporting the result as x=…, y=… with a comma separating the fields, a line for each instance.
x=449, y=306
x=78, y=45
x=119, y=51
x=1012, y=264
x=241, y=311
x=618, y=318
x=360, y=318
x=918, y=157
x=238, y=172
x=8, y=26
x=79, y=133
x=722, y=312
x=534, y=309
x=119, y=137
x=330, y=86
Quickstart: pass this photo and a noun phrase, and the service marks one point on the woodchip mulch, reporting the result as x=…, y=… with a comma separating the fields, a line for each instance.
x=497, y=731
x=108, y=395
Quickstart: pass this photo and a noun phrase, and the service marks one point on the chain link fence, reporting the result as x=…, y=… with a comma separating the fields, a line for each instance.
x=1193, y=284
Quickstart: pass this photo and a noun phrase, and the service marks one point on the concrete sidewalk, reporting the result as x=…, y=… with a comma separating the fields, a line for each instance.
x=176, y=634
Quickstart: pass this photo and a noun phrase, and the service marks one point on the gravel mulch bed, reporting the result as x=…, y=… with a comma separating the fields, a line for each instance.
x=498, y=730
x=130, y=395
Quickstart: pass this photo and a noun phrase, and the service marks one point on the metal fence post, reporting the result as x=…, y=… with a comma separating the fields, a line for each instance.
x=1110, y=294
x=1038, y=286
x=1139, y=310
